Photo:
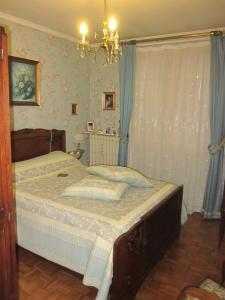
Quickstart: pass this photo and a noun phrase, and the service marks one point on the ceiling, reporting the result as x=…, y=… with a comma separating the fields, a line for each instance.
x=136, y=18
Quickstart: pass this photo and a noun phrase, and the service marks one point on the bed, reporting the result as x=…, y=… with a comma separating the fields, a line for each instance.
x=114, y=245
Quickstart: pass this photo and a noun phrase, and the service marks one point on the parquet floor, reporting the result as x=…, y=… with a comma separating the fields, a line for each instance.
x=190, y=259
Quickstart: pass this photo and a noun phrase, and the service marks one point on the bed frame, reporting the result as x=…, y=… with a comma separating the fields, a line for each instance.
x=137, y=250
x=29, y=143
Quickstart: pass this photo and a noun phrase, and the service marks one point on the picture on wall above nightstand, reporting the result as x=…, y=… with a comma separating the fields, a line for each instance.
x=90, y=126
x=74, y=108
x=109, y=101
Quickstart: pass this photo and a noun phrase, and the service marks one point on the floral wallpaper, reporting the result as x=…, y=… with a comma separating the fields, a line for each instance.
x=103, y=78
x=65, y=79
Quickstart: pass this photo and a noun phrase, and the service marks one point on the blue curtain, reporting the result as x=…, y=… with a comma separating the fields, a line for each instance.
x=213, y=190
x=126, y=73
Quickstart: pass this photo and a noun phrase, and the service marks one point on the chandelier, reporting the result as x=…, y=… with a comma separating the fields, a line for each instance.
x=109, y=42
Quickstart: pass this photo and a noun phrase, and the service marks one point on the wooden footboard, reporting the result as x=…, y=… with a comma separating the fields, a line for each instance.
x=139, y=249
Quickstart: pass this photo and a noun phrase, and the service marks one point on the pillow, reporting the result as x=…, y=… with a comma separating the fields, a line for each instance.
x=42, y=160
x=94, y=187
x=41, y=165
x=122, y=174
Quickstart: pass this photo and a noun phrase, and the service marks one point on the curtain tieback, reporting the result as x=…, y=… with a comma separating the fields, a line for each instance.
x=124, y=139
x=213, y=149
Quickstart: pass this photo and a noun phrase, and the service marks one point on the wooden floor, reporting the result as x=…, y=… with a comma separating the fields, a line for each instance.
x=190, y=259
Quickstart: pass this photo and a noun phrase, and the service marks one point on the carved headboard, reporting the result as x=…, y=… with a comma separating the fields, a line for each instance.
x=28, y=143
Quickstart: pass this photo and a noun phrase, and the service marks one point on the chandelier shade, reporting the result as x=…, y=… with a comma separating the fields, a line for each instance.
x=109, y=41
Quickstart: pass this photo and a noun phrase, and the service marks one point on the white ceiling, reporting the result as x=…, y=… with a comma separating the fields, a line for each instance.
x=136, y=18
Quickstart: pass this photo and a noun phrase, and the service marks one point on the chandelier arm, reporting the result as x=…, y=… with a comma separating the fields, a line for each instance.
x=105, y=10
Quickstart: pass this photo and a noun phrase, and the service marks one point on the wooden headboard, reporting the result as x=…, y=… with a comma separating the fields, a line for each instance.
x=28, y=143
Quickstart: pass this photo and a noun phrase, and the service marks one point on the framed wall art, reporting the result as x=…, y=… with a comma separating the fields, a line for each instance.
x=109, y=101
x=24, y=81
x=74, y=109
x=90, y=126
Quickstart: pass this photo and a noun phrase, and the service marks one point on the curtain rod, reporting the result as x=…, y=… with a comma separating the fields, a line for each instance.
x=172, y=37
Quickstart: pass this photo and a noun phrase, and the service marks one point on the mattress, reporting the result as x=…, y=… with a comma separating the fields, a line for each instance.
x=75, y=232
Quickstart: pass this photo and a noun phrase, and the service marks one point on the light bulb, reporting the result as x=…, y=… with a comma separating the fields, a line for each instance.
x=112, y=24
x=83, y=31
x=83, y=28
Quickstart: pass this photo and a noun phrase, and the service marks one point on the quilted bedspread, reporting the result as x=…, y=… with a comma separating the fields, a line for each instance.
x=75, y=232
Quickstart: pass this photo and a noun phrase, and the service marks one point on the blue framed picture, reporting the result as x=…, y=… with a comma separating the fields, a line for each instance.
x=24, y=81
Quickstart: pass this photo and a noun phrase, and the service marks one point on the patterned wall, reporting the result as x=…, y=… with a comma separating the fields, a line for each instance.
x=64, y=80
x=103, y=78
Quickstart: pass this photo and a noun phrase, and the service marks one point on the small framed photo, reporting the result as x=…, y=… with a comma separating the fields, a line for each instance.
x=109, y=101
x=74, y=109
x=24, y=81
x=90, y=126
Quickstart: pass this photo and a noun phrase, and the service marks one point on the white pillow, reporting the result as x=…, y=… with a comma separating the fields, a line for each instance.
x=38, y=161
x=122, y=174
x=41, y=164
x=93, y=187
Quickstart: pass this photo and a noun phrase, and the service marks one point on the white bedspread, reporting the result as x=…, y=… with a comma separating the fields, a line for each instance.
x=74, y=232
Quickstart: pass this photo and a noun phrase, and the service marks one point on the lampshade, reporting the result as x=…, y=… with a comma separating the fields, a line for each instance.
x=80, y=137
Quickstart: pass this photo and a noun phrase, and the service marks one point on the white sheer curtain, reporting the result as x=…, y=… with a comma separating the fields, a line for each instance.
x=169, y=130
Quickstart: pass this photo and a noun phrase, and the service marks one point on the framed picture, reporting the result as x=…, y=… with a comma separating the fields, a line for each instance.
x=109, y=101
x=74, y=109
x=24, y=81
x=90, y=126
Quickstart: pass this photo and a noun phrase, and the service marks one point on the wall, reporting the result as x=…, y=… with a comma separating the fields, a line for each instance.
x=64, y=80
x=103, y=78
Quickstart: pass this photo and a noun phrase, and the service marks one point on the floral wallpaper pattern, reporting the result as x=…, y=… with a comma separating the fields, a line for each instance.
x=65, y=79
x=103, y=78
